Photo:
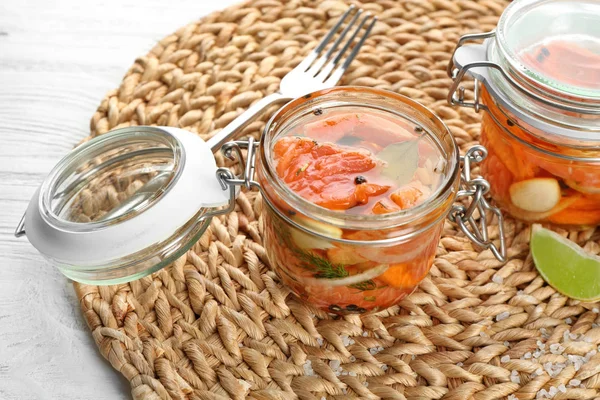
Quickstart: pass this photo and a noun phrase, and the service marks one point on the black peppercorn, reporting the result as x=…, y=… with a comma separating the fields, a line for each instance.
x=318, y=111
x=351, y=307
x=360, y=179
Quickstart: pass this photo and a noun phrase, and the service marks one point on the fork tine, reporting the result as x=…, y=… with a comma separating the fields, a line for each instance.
x=312, y=56
x=314, y=69
x=337, y=74
x=333, y=63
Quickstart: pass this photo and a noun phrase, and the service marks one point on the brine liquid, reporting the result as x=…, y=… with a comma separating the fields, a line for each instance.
x=362, y=164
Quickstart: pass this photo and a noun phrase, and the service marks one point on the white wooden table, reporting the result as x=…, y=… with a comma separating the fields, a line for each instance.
x=57, y=60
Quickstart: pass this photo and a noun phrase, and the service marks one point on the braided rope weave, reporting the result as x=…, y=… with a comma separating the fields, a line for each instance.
x=218, y=324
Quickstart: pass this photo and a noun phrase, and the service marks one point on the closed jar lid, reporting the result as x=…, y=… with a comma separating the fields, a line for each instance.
x=554, y=45
x=542, y=67
x=125, y=204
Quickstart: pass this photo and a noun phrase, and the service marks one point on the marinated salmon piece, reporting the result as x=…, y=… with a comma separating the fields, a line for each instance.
x=407, y=197
x=326, y=174
x=384, y=206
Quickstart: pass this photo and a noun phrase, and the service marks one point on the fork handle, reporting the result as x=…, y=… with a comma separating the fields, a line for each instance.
x=235, y=127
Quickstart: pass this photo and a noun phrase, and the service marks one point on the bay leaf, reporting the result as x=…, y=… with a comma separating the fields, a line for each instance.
x=402, y=160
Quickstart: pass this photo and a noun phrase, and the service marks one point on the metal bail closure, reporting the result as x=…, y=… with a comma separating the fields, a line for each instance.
x=476, y=60
x=476, y=188
x=125, y=204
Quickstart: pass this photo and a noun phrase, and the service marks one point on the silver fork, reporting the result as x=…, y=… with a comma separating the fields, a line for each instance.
x=312, y=74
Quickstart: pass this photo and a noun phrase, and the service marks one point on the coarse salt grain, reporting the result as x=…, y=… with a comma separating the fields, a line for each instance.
x=553, y=391
x=373, y=351
x=512, y=397
x=539, y=371
x=502, y=315
x=323, y=398
x=541, y=345
x=527, y=355
x=352, y=358
x=542, y=394
x=506, y=343
x=568, y=321
x=320, y=341
x=573, y=336
x=366, y=383
x=515, y=379
x=334, y=364
x=574, y=382
x=505, y=359
x=555, y=348
x=345, y=340
x=459, y=364
x=497, y=279
x=483, y=334
x=365, y=334
x=562, y=388
x=352, y=373
x=596, y=310
x=384, y=367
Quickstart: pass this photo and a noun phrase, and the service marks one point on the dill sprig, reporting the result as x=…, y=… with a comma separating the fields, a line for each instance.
x=322, y=267
x=325, y=269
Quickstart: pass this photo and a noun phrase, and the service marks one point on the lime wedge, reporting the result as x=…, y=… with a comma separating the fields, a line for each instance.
x=565, y=266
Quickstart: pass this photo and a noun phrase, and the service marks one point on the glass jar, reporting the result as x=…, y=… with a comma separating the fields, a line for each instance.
x=537, y=77
x=348, y=263
x=128, y=203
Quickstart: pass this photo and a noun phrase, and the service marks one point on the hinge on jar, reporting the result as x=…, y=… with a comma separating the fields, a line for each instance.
x=456, y=94
x=227, y=179
x=478, y=65
x=477, y=188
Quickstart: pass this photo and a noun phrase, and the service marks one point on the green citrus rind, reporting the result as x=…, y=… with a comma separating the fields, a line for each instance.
x=565, y=266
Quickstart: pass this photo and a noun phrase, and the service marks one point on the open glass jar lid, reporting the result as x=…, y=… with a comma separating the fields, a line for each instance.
x=541, y=65
x=124, y=204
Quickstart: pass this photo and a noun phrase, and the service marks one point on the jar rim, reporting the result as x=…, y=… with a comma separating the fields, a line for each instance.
x=428, y=120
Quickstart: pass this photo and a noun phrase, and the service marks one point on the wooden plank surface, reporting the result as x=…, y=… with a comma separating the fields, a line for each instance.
x=57, y=60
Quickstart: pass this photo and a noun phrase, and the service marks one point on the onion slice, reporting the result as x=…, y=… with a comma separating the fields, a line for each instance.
x=347, y=281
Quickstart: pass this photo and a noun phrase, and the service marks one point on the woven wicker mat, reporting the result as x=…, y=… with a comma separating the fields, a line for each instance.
x=218, y=324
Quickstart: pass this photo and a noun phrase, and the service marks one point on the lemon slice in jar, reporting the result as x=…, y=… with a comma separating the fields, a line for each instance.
x=565, y=266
